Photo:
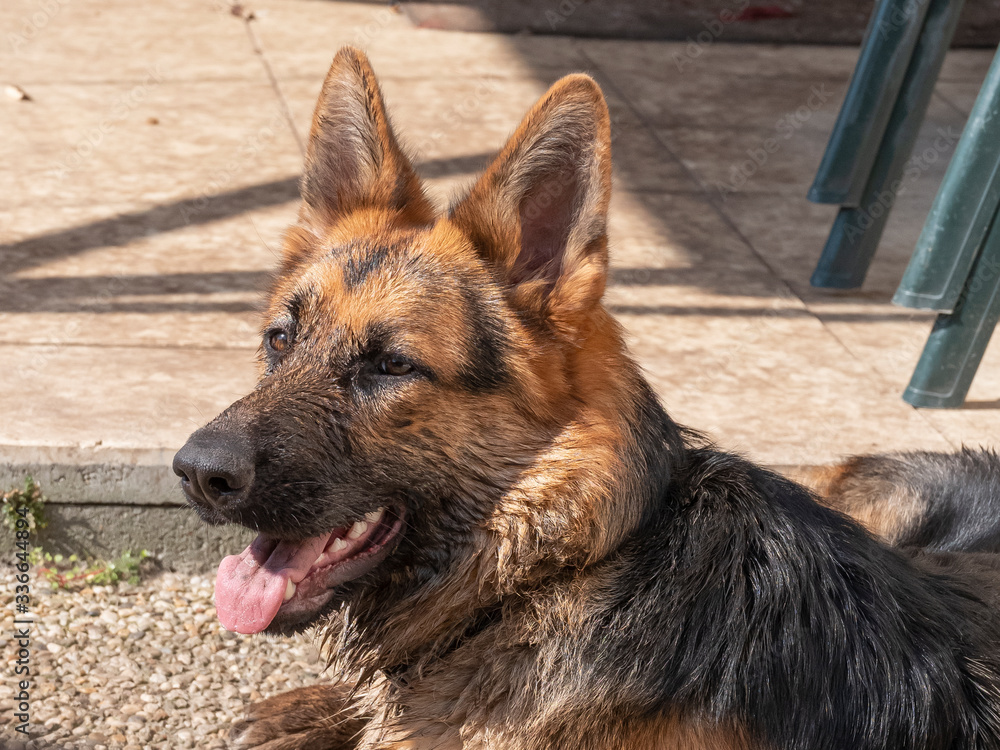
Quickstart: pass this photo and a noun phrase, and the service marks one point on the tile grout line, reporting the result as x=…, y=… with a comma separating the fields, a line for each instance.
x=248, y=17
x=947, y=100
x=729, y=222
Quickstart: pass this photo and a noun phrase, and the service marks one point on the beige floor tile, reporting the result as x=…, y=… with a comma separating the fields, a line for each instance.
x=456, y=98
x=120, y=41
x=887, y=338
x=682, y=240
x=891, y=341
x=724, y=94
x=439, y=119
x=641, y=161
x=129, y=282
x=733, y=352
x=200, y=322
x=744, y=160
x=143, y=398
x=163, y=142
x=891, y=338
x=445, y=190
x=734, y=102
x=668, y=61
x=789, y=233
x=220, y=235
x=454, y=126
x=779, y=388
x=975, y=424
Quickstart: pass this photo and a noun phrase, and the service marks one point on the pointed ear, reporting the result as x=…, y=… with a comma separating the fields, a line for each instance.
x=353, y=159
x=539, y=212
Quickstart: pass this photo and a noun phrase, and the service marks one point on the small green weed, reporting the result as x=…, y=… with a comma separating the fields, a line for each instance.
x=28, y=504
x=70, y=572
x=19, y=505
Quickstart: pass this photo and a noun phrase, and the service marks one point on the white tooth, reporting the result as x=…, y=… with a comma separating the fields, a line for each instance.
x=338, y=544
x=289, y=590
x=319, y=559
x=359, y=528
x=375, y=516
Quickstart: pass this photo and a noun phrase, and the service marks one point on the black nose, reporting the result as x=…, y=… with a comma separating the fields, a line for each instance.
x=215, y=467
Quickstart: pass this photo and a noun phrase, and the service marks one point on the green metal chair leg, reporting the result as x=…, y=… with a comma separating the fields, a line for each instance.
x=958, y=340
x=962, y=211
x=886, y=51
x=856, y=231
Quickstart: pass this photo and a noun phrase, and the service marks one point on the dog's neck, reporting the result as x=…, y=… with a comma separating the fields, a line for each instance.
x=593, y=480
x=598, y=474
x=622, y=488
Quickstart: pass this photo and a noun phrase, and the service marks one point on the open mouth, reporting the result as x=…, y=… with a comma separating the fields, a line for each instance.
x=290, y=582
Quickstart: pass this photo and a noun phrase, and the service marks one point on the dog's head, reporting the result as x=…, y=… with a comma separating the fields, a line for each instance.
x=431, y=385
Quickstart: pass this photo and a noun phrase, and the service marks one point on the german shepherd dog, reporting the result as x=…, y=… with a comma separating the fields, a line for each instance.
x=458, y=472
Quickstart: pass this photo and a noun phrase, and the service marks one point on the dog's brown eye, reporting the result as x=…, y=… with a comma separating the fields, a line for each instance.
x=278, y=341
x=395, y=366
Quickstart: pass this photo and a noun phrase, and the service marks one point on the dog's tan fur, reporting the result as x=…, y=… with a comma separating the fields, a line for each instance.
x=888, y=509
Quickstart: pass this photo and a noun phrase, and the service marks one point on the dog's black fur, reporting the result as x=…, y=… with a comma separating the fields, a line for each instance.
x=755, y=601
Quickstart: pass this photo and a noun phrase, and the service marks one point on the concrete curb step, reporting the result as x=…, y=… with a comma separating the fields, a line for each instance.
x=104, y=501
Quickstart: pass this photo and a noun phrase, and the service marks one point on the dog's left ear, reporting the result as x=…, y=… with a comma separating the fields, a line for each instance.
x=539, y=212
x=353, y=160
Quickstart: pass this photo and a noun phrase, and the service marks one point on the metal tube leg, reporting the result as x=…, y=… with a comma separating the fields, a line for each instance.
x=962, y=211
x=886, y=51
x=856, y=232
x=958, y=340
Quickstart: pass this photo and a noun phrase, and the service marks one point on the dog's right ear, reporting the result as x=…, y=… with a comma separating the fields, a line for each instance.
x=538, y=214
x=353, y=160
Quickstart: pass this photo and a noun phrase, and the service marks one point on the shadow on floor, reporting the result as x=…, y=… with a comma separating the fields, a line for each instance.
x=794, y=21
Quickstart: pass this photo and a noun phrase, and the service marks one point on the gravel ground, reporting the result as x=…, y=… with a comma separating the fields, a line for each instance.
x=144, y=666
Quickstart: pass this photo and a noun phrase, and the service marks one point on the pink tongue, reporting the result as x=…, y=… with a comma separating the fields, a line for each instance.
x=250, y=587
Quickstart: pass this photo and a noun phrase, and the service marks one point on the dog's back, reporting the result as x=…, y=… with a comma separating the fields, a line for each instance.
x=767, y=600
x=945, y=502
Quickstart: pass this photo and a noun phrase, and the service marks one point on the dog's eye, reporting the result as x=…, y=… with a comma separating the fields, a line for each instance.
x=277, y=341
x=394, y=365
